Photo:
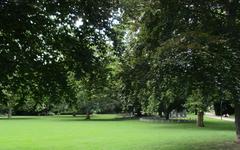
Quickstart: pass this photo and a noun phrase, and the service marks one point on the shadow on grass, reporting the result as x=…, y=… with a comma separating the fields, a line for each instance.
x=82, y=119
x=212, y=145
x=209, y=125
x=17, y=118
x=221, y=125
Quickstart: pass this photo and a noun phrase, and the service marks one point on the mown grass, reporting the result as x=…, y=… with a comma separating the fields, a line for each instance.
x=110, y=132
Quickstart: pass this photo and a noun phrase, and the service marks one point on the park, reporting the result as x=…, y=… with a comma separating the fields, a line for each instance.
x=119, y=75
x=110, y=132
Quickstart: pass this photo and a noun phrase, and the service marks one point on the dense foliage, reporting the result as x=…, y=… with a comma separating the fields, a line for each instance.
x=182, y=54
x=42, y=42
x=147, y=57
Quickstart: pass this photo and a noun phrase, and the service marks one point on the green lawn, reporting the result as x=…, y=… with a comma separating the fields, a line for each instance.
x=108, y=132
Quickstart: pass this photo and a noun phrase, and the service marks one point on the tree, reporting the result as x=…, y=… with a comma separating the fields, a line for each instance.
x=41, y=43
x=197, y=104
x=193, y=40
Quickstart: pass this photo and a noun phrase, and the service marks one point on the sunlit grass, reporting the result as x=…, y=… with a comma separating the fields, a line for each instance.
x=110, y=132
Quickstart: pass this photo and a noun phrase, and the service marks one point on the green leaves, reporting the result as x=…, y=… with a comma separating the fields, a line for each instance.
x=40, y=42
x=196, y=102
x=187, y=42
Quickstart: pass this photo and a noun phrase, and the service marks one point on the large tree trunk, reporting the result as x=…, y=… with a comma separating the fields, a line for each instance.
x=200, y=119
x=9, y=113
x=237, y=121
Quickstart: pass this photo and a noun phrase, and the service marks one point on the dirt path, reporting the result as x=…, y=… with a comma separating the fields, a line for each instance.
x=210, y=115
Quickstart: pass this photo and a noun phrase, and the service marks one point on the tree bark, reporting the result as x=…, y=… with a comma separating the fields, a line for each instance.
x=9, y=113
x=237, y=121
x=200, y=119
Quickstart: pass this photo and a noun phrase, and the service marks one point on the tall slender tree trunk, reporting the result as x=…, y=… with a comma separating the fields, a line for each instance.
x=138, y=112
x=88, y=117
x=200, y=119
x=232, y=12
x=167, y=115
x=9, y=113
x=160, y=113
x=237, y=121
x=196, y=112
x=74, y=114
